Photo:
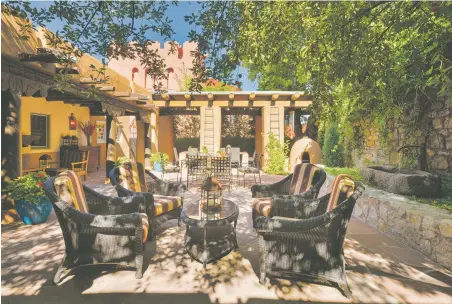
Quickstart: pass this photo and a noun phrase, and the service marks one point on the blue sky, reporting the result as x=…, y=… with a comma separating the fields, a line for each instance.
x=180, y=27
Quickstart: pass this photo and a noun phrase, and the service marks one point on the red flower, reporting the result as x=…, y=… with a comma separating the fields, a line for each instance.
x=39, y=184
x=41, y=175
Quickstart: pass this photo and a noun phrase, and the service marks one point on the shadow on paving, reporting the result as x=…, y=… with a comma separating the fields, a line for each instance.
x=379, y=270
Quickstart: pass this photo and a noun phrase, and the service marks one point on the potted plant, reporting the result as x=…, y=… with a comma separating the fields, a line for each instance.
x=30, y=201
x=160, y=160
x=205, y=150
x=121, y=160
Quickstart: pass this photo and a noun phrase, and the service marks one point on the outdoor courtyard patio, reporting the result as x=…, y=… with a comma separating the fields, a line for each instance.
x=379, y=269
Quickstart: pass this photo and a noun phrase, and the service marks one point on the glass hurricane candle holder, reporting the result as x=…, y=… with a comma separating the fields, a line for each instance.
x=211, y=195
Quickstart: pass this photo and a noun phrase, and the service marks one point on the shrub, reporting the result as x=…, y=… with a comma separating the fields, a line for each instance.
x=276, y=155
x=332, y=151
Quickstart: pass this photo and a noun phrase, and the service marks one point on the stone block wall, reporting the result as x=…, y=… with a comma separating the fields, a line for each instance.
x=437, y=134
x=439, y=144
x=420, y=226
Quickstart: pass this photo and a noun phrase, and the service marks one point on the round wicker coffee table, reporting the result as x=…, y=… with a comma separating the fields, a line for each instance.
x=210, y=236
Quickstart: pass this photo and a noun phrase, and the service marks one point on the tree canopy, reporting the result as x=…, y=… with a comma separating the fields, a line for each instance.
x=359, y=60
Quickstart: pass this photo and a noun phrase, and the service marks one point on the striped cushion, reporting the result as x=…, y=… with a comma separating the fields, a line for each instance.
x=302, y=178
x=145, y=223
x=343, y=188
x=164, y=204
x=131, y=176
x=263, y=205
x=68, y=186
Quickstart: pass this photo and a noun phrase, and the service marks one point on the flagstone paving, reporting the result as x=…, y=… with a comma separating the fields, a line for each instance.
x=379, y=269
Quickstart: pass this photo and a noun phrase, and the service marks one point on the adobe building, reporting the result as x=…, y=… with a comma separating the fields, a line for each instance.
x=131, y=120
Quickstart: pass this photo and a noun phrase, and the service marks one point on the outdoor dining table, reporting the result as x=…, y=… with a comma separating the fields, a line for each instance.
x=244, y=157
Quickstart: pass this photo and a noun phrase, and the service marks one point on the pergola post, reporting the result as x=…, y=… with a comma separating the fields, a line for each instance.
x=140, y=144
x=111, y=143
x=166, y=141
x=154, y=132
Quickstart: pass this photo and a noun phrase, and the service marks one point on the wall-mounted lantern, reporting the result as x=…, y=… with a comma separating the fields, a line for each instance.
x=72, y=122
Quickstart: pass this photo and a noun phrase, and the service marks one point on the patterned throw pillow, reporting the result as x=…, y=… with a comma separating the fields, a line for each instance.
x=303, y=175
x=69, y=188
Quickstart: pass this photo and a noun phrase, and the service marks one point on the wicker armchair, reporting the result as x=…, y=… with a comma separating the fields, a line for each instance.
x=310, y=246
x=164, y=199
x=97, y=229
x=305, y=182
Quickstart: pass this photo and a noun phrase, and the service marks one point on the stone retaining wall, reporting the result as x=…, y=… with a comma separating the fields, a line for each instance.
x=423, y=227
x=436, y=134
x=420, y=226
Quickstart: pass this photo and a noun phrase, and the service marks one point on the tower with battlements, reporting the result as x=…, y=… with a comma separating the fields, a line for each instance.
x=178, y=65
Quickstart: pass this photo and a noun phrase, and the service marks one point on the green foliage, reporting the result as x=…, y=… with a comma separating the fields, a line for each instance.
x=380, y=61
x=160, y=158
x=204, y=150
x=321, y=134
x=353, y=172
x=29, y=187
x=275, y=162
x=332, y=151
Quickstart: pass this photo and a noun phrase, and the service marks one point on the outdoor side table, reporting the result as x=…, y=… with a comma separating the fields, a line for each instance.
x=210, y=236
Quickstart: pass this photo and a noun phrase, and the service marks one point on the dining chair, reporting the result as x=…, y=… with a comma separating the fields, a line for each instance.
x=192, y=151
x=221, y=169
x=196, y=168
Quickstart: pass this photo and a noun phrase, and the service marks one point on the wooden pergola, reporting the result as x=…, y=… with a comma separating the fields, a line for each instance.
x=268, y=107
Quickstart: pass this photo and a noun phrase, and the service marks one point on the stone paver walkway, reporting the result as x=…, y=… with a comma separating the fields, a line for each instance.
x=380, y=270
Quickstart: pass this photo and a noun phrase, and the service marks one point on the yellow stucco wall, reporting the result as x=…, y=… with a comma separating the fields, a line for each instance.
x=58, y=122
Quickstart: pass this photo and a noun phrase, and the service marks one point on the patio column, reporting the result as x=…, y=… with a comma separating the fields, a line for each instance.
x=166, y=141
x=153, y=131
x=140, y=144
x=210, y=133
x=111, y=143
